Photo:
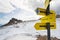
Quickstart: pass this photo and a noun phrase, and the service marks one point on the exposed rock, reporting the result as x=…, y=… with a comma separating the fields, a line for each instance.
x=45, y=38
x=58, y=16
x=12, y=21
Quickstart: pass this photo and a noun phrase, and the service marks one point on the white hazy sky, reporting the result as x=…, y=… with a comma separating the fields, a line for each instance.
x=12, y=8
x=27, y=4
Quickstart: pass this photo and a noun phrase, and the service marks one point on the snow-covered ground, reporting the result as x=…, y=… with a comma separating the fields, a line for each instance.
x=26, y=31
x=24, y=10
x=20, y=37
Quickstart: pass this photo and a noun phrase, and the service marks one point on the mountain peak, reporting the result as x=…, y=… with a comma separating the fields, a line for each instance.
x=12, y=21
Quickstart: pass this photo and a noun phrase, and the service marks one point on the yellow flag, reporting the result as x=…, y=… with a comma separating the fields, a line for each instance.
x=47, y=3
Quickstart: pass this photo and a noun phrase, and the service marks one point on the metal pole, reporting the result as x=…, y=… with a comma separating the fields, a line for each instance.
x=48, y=10
x=48, y=24
x=48, y=30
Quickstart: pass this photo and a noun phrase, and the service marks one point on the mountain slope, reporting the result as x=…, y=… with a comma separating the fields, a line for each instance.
x=26, y=28
x=12, y=21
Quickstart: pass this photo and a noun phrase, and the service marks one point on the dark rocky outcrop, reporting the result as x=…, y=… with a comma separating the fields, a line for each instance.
x=12, y=21
x=45, y=38
x=57, y=16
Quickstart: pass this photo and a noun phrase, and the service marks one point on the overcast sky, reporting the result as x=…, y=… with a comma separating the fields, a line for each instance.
x=12, y=8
